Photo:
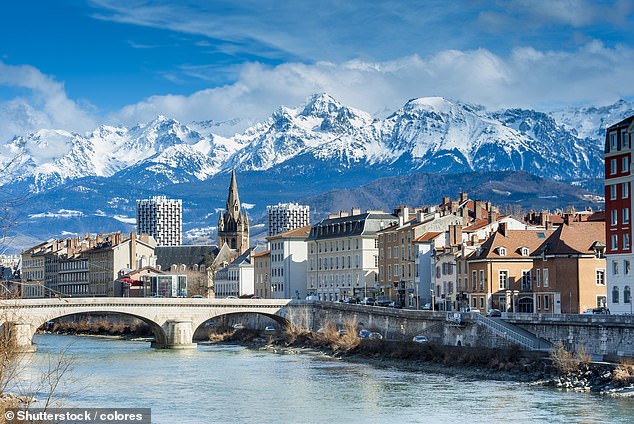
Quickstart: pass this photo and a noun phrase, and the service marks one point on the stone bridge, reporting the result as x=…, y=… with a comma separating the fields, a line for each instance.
x=173, y=320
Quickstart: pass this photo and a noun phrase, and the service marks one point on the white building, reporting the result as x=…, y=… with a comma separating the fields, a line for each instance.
x=343, y=254
x=285, y=217
x=161, y=218
x=288, y=256
x=236, y=279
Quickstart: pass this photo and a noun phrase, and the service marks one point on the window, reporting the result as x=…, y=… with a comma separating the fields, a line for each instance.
x=538, y=277
x=626, y=241
x=539, y=302
x=524, y=251
x=396, y=270
x=626, y=216
x=612, y=166
x=395, y=252
x=546, y=302
x=615, y=295
x=600, y=277
x=615, y=242
x=474, y=280
x=627, y=297
x=503, y=278
x=625, y=139
x=481, y=303
x=526, y=280
x=613, y=141
x=613, y=192
x=615, y=268
x=481, y=280
x=625, y=164
x=502, y=251
x=545, y=275
x=614, y=220
x=626, y=267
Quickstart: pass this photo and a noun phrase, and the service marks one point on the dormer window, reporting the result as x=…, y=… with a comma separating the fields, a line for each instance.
x=502, y=251
x=524, y=251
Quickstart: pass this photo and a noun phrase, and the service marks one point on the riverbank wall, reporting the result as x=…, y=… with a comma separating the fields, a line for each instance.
x=602, y=336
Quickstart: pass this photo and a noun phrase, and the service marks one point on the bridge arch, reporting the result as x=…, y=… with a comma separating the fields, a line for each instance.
x=160, y=336
x=280, y=320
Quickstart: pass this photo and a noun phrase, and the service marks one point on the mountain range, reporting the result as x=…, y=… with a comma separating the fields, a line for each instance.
x=72, y=183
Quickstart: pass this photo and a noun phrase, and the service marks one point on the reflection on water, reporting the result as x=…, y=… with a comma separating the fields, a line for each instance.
x=233, y=384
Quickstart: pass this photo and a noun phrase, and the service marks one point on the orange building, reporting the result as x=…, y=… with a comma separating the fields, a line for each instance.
x=540, y=271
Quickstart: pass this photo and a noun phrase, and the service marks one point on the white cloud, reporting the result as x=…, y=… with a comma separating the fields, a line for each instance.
x=45, y=105
x=593, y=74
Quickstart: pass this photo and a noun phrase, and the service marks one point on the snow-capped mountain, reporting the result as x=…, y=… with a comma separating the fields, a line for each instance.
x=427, y=134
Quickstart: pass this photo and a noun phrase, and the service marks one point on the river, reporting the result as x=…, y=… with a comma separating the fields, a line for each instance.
x=232, y=384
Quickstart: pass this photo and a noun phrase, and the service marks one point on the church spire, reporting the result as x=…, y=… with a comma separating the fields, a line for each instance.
x=233, y=200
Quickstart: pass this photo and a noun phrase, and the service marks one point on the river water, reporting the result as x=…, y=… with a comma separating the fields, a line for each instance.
x=232, y=384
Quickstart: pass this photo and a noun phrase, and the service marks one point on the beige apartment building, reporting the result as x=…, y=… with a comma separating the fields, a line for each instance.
x=262, y=274
x=343, y=254
x=113, y=256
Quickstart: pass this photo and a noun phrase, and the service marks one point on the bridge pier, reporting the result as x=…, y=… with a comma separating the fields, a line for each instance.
x=20, y=334
x=178, y=335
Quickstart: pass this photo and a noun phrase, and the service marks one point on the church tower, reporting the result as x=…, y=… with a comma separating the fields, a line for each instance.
x=233, y=225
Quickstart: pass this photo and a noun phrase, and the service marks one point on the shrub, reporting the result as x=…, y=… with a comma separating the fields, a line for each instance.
x=624, y=371
x=564, y=360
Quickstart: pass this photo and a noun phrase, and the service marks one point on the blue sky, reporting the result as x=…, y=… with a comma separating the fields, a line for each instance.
x=74, y=64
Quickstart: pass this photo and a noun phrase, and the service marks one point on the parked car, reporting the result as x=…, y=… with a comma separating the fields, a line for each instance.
x=231, y=297
x=395, y=304
x=270, y=328
x=364, y=334
x=420, y=339
x=383, y=301
x=426, y=307
x=494, y=313
x=369, y=301
x=237, y=326
x=598, y=311
x=350, y=300
x=343, y=332
x=375, y=336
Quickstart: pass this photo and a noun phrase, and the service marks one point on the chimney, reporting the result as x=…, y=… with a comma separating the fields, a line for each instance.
x=502, y=228
x=477, y=206
x=405, y=213
x=463, y=197
x=445, y=200
x=133, y=262
x=455, y=234
x=355, y=211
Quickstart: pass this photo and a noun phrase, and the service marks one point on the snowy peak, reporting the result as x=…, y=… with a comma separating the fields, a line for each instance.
x=430, y=134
